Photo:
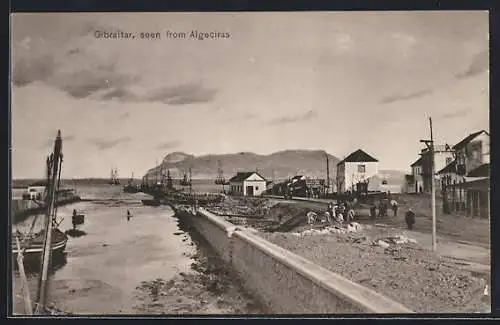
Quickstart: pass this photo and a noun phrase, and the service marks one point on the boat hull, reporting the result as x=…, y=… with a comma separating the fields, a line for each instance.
x=131, y=189
x=35, y=247
x=153, y=203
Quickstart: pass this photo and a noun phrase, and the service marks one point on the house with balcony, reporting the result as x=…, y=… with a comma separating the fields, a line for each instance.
x=465, y=180
x=443, y=155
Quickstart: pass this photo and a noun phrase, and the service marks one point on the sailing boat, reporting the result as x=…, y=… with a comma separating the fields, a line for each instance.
x=220, y=180
x=131, y=187
x=185, y=181
x=33, y=244
x=114, y=177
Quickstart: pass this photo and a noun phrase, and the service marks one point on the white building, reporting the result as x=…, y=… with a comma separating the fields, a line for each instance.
x=355, y=169
x=415, y=181
x=247, y=184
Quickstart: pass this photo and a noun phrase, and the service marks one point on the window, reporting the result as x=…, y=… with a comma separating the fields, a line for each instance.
x=449, y=160
x=361, y=168
x=256, y=188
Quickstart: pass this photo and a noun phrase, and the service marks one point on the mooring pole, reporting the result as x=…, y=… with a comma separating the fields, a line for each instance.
x=51, y=199
x=24, y=282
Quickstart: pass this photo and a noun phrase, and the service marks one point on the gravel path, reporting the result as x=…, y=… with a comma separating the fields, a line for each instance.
x=405, y=273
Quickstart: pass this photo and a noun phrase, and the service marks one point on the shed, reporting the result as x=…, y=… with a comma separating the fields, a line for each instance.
x=247, y=184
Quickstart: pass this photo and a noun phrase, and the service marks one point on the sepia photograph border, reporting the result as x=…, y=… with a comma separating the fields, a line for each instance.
x=157, y=6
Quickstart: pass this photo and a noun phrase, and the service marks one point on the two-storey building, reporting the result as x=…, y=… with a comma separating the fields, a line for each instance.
x=354, y=172
x=465, y=180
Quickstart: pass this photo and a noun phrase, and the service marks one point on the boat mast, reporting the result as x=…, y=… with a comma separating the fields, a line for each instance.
x=54, y=162
x=156, y=173
x=190, y=182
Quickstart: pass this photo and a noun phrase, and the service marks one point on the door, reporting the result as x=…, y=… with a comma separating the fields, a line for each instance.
x=250, y=190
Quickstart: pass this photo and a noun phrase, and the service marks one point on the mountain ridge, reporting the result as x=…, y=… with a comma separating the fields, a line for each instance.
x=278, y=165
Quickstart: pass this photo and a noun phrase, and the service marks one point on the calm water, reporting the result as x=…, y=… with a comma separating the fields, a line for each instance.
x=104, y=267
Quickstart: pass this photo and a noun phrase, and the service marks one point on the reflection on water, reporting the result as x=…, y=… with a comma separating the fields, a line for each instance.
x=109, y=258
x=75, y=233
x=32, y=264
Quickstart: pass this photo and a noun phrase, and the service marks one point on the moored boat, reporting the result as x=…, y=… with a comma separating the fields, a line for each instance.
x=131, y=188
x=151, y=202
x=34, y=244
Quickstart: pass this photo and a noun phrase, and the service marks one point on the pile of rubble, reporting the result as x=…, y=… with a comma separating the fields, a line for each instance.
x=242, y=207
x=393, y=240
x=338, y=229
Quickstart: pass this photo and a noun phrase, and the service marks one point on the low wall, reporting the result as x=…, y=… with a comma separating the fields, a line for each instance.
x=285, y=282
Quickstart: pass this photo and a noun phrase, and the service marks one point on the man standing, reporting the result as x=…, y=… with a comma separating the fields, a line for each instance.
x=410, y=219
x=373, y=211
x=394, y=205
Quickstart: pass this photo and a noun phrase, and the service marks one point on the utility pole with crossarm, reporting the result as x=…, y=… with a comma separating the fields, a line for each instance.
x=430, y=147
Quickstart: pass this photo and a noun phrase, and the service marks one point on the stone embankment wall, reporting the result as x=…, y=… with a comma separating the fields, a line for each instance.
x=283, y=281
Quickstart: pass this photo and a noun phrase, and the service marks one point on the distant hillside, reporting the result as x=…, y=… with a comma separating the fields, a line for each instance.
x=282, y=164
x=67, y=182
x=393, y=177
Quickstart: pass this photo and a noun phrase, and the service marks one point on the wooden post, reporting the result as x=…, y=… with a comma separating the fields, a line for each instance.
x=327, y=175
x=488, y=203
x=24, y=281
x=433, y=190
x=51, y=200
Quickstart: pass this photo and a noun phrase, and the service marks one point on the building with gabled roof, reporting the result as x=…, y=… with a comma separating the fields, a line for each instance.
x=472, y=152
x=415, y=181
x=247, y=184
x=354, y=171
x=465, y=180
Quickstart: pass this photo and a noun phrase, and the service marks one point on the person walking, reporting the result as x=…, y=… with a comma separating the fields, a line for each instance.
x=380, y=209
x=410, y=219
x=74, y=219
x=394, y=205
x=373, y=211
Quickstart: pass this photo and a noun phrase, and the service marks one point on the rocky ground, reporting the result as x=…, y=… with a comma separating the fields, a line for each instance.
x=392, y=265
x=211, y=287
x=383, y=258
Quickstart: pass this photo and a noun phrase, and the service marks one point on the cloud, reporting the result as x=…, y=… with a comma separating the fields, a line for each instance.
x=28, y=70
x=480, y=63
x=85, y=82
x=455, y=114
x=292, y=119
x=50, y=142
x=182, y=94
x=412, y=95
x=169, y=145
x=121, y=94
x=102, y=144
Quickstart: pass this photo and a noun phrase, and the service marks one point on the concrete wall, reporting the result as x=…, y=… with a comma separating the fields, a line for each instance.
x=282, y=280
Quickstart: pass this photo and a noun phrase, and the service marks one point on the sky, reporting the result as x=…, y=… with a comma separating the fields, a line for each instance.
x=334, y=81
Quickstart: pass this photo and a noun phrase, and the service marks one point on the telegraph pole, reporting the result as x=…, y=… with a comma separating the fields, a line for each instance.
x=430, y=147
x=327, y=174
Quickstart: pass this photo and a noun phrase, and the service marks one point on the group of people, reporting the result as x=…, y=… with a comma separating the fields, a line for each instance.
x=341, y=212
x=383, y=207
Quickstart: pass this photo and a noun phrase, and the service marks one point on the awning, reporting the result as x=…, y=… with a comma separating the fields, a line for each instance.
x=477, y=185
